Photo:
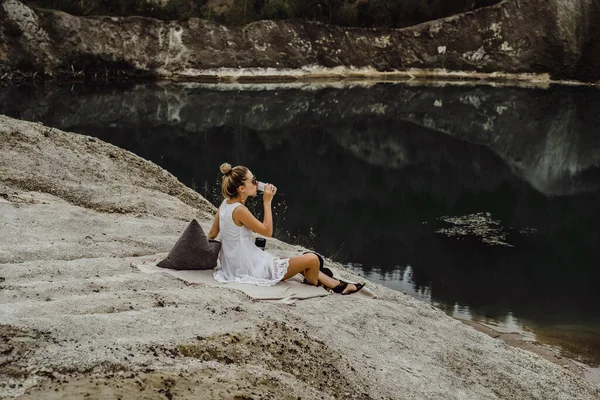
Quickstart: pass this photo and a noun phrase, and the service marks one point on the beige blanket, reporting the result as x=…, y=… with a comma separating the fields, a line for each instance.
x=284, y=292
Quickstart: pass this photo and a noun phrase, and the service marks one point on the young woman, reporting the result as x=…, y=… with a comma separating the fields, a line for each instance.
x=242, y=261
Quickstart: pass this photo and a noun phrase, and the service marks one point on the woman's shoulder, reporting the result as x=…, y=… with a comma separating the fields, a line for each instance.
x=226, y=203
x=238, y=206
x=231, y=206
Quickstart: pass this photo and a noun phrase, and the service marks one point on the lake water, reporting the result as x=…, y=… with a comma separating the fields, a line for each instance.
x=481, y=200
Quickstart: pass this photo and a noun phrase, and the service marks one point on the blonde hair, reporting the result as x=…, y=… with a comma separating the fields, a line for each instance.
x=232, y=179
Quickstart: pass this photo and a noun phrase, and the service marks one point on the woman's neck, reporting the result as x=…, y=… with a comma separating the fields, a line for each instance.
x=238, y=199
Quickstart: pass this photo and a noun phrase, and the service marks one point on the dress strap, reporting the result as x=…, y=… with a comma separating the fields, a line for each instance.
x=231, y=207
x=223, y=205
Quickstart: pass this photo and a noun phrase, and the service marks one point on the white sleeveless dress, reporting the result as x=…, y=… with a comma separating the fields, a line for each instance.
x=241, y=260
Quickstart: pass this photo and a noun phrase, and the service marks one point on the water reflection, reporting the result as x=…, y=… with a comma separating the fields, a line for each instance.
x=400, y=278
x=373, y=169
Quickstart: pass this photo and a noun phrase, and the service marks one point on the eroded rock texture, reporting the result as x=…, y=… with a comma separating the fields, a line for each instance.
x=555, y=37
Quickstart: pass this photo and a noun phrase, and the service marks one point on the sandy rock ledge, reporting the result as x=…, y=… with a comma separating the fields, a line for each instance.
x=76, y=320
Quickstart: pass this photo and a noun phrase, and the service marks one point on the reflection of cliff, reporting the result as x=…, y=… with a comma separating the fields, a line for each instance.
x=546, y=136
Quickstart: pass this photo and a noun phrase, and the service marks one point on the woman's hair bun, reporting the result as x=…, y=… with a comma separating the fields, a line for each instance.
x=225, y=168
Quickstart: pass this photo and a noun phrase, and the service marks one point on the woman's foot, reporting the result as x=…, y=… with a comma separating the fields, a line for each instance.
x=347, y=288
x=353, y=288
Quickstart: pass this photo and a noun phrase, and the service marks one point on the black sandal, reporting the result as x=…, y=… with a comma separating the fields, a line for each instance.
x=343, y=285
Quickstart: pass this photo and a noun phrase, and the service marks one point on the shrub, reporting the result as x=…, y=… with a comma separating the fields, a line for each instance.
x=277, y=9
x=348, y=14
x=12, y=29
x=366, y=13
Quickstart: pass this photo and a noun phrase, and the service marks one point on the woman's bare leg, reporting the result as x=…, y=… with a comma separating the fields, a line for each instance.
x=308, y=265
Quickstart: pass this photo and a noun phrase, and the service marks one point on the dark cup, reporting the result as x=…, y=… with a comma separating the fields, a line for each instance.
x=260, y=243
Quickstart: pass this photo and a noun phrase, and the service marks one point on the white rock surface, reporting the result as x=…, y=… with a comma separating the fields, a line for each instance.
x=76, y=319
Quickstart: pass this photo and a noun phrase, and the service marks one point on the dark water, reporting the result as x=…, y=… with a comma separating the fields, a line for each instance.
x=368, y=174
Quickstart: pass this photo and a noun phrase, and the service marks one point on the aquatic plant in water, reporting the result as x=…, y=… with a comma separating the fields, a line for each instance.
x=480, y=225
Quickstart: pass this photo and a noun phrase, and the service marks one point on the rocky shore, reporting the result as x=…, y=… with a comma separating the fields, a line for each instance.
x=77, y=320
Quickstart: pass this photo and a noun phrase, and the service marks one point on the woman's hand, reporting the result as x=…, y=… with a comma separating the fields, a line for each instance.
x=269, y=192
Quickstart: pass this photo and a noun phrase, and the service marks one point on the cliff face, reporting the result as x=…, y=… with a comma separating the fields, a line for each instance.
x=553, y=37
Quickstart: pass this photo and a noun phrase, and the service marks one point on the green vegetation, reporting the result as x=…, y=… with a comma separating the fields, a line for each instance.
x=361, y=13
x=9, y=28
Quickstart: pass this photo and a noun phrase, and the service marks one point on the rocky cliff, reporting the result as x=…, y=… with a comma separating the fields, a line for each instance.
x=538, y=36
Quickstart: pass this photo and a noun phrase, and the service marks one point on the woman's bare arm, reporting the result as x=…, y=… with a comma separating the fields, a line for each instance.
x=214, y=229
x=241, y=215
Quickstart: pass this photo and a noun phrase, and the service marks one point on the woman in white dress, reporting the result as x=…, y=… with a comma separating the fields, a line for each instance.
x=241, y=260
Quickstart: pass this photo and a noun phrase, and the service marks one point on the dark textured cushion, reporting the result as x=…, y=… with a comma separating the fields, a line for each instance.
x=193, y=250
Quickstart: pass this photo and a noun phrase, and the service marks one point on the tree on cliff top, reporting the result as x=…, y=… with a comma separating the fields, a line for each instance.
x=362, y=13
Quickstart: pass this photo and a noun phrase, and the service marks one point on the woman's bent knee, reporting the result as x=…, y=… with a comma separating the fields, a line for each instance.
x=314, y=260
